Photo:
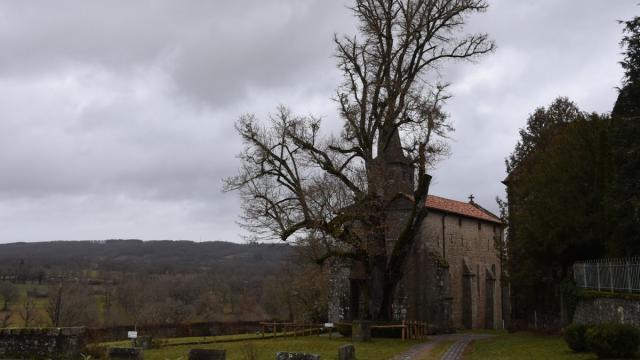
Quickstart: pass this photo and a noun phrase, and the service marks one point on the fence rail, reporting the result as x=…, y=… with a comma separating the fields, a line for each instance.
x=615, y=275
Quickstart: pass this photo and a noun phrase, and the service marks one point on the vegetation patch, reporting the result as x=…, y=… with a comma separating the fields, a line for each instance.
x=613, y=341
x=576, y=337
x=523, y=345
x=593, y=294
x=378, y=349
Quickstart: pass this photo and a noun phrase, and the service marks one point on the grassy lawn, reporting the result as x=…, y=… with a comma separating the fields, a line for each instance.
x=378, y=349
x=523, y=346
x=195, y=340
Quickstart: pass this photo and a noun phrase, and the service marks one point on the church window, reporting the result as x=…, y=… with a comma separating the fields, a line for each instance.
x=479, y=225
x=459, y=220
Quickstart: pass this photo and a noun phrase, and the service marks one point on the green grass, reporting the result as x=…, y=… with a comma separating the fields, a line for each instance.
x=523, y=346
x=378, y=349
x=197, y=339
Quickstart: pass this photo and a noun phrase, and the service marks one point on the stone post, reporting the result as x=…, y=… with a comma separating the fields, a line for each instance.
x=201, y=354
x=347, y=352
x=125, y=354
x=296, y=356
x=361, y=330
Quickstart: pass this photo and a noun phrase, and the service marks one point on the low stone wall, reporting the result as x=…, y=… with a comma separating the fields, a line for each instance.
x=42, y=343
x=598, y=310
x=214, y=328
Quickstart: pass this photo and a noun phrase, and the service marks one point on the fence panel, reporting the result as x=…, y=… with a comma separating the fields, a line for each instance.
x=621, y=275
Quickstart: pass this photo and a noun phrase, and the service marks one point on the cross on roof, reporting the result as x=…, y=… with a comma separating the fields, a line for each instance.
x=471, y=197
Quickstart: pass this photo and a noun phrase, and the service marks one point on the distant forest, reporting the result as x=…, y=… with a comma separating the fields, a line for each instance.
x=127, y=282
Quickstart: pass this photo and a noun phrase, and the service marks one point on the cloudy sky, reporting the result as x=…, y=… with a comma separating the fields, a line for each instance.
x=116, y=117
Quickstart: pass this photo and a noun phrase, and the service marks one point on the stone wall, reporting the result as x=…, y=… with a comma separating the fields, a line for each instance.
x=453, y=264
x=339, y=307
x=42, y=343
x=598, y=310
x=468, y=247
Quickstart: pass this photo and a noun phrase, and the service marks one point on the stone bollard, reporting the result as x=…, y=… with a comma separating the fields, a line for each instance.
x=361, y=330
x=296, y=356
x=347, y=352
x=145, y=342
x=201, y=354
x=125, y=354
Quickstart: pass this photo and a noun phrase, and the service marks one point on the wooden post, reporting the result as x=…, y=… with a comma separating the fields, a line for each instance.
x=403, y=331
x=274, y=329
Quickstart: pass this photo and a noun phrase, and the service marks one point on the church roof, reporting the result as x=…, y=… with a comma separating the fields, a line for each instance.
x=468, y=209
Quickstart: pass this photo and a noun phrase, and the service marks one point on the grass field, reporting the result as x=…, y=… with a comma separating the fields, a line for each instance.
x=195, y=340
x=523, y=346
x=378, y=349
x=41, y=305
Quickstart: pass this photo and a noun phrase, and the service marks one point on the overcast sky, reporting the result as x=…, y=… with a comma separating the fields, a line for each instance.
x=116, y=117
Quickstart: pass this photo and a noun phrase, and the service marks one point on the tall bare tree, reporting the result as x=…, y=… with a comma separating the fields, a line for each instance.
x=71, y=305
x=297, y=183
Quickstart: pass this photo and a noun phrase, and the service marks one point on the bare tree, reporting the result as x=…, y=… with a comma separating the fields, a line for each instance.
x=28, y=311
x=5, y=319
x=296, y=183
x=9, y=294
x=71, y=305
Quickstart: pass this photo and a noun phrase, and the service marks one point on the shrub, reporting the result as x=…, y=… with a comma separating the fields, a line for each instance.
x=575, y=336
x=613, y=340
x=344, y=329
x=94, y=352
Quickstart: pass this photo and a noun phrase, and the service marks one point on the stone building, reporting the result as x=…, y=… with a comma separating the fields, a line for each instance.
x=453, y=276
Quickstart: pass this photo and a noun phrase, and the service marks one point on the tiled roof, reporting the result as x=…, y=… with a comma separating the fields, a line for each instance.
x=461, y=208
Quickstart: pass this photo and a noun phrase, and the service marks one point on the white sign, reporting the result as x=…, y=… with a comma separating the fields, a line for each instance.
x=328, y=325
x=132, y=334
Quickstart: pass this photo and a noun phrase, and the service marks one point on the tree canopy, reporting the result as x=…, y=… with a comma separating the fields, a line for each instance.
x=557, y=188
x=574, y=190
x=625, y=194
x=297, y=184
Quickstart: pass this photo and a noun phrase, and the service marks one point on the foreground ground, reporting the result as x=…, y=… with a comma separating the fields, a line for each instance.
x=523, y=346
x=517, y=346
x=379, y=349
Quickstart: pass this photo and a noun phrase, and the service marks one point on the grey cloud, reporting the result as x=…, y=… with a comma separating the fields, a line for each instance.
x=116, y=118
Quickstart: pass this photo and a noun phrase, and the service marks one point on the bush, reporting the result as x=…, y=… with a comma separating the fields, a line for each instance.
x=613, y=340
x=344, y=329
x=575, y=336
x=94, y=352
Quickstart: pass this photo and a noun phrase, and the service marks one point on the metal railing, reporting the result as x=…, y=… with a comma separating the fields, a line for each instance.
x=615, y=275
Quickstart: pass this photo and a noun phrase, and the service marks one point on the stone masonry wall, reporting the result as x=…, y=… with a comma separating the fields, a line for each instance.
x=42, y=343
x=465, y=242
x=604, y=309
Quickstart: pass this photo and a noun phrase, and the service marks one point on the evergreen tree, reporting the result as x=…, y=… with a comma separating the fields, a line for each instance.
x=625, y=193
x=559, y=177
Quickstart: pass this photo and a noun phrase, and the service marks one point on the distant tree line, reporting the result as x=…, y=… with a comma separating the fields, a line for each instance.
x=252, y=282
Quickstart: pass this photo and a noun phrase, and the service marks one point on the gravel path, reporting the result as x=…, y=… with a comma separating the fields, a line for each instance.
x=453, y=353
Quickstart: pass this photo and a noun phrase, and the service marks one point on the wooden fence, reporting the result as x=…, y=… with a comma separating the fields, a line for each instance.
x=294, y=329
x=408, y=329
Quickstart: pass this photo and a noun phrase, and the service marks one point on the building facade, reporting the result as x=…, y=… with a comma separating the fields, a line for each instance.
x=453, y=275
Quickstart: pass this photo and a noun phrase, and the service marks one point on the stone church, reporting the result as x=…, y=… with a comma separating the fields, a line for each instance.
x=452, y=280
